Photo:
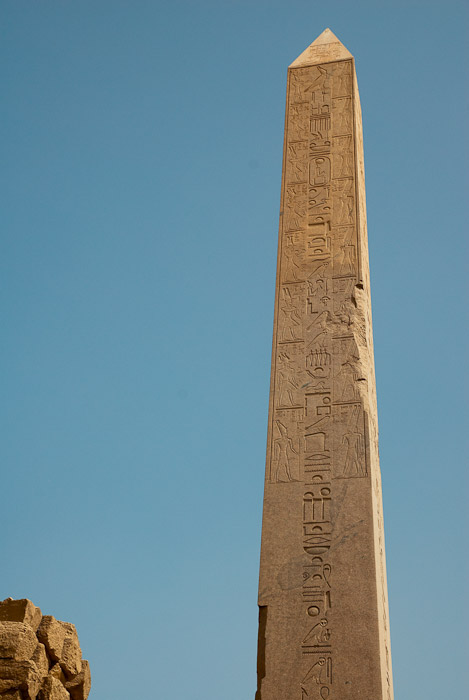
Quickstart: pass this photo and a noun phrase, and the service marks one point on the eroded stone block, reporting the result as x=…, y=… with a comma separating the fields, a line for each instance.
x=20, y=611
x=11, y=695
x=79, y=687
x=57, y=672
x=52, y=689
x=41, y=660
x=70, y=659
x=52, y=634
x=20, y=675
x=17, y=641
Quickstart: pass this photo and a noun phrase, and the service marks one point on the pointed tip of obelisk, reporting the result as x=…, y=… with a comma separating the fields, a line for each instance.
x=324, y=49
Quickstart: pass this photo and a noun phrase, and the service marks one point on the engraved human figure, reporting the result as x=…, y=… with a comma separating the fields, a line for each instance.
x=292, y=264
x=296, y=171
x=354, y=462
x=347, y=379
x=296, y=210
x=283, y=453
x=296, y=86
x=343, y=156
x=291, y=328
x=343, y=202
x=347, y=266
x=341, y=115
x=342, y=80
x=299, y=123
x=287, y=384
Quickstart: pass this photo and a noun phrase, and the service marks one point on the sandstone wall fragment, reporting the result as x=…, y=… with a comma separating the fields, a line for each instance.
x=40, y=657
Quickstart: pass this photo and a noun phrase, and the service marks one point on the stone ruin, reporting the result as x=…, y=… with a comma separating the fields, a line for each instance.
x=40, y=657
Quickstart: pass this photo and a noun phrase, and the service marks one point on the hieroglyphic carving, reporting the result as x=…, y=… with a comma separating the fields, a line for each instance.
x=291, y=313
x=318, y=429
x=286, y=453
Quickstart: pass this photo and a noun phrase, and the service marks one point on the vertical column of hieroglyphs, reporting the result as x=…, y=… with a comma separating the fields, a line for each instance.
x=331, y=245
x=287, y=416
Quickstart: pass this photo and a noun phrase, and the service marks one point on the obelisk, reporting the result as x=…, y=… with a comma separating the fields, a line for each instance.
x=323, y=611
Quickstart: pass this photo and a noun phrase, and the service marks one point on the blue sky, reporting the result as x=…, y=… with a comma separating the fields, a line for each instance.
x=141, y=165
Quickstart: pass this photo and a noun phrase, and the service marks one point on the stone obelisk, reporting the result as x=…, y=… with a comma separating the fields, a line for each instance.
x=323, y=622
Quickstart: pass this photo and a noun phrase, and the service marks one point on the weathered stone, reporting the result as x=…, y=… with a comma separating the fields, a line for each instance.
x=25, y=661
x=20, y=611
x=17, y=641
x=79, y=687
x=20, y=675
x=41, y=660
x=57, y=672
x=52, y=689
x=70, y=659
x=52, y=634
x=323, y=623
x=11, y=695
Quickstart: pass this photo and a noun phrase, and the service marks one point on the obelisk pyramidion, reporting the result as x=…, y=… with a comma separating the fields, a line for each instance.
x=323, y=622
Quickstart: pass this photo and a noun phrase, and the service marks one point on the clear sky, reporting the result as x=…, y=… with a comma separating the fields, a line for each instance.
x=141, y=163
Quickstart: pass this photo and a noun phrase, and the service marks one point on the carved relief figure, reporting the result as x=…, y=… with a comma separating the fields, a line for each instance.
x=287, y=384
x=296, y=207
x=296, y=171
x=343, y=156
x=297, y=86
x=347, y=382
x=297, y=164
x=299, y=120
x=354, y=444
x=291, y=267
x=284, y=453
x=342, y=80
x=354, y=464
x=343, y=201
x=291, y=322
x=347, y=265
x=342, y=115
